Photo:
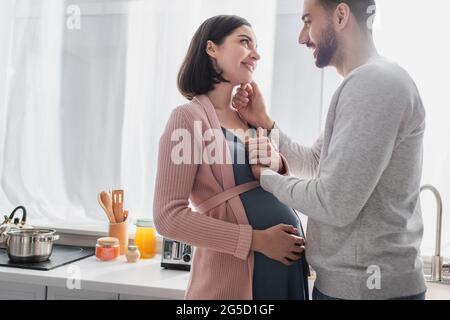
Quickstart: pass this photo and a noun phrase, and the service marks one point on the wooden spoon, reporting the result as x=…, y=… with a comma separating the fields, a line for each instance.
x=105, y=202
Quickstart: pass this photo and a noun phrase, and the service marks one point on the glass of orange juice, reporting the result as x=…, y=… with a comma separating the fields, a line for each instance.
x=145, y=238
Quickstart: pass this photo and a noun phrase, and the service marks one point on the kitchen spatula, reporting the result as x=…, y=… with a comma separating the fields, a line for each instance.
x=117, y=205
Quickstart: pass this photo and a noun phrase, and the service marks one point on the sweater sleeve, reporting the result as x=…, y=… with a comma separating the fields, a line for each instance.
x=303, y=161
x=175, y=178
x=368, y=118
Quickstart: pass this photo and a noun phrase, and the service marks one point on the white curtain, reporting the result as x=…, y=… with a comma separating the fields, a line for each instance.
x=32, y=173
x=82, y=109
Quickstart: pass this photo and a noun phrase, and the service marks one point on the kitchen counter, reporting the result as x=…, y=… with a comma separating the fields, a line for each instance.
x=438, y=291
x=142, y=279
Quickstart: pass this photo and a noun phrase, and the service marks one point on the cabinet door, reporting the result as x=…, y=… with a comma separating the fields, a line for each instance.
x=20, y=291
x=135, y=297
x=57, y=293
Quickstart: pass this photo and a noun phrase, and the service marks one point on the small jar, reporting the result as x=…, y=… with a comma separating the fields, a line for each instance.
x=133, y=254
x=107, y=249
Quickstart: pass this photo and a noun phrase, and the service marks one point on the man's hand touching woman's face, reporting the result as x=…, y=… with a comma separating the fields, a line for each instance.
x=249, y=102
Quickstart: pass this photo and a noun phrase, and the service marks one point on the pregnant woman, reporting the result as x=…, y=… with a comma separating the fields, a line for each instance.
x=248, y=244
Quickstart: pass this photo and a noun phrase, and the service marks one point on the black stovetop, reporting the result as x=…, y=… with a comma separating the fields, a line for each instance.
x=61, y=256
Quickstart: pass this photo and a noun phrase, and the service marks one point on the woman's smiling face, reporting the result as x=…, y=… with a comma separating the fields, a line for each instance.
x=237, y=56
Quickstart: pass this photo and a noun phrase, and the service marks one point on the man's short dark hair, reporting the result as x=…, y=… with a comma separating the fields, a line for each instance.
x=361, y=9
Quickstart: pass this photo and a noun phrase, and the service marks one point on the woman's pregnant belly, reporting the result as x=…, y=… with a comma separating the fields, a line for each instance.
x=264, y=210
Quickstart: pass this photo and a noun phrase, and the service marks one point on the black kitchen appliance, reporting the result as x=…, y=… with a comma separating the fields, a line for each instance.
x=61, y=255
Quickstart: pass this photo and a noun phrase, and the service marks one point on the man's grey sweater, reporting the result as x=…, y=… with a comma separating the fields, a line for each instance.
x=359, y=185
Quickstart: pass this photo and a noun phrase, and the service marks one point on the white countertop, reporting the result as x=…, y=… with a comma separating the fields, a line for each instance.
x=144, y=278
x=438, y=291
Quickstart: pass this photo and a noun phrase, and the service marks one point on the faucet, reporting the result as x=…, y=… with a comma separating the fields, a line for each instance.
x=437, y=262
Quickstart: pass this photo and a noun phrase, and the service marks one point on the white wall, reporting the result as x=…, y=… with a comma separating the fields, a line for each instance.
x=415, y=34
x=296, y=103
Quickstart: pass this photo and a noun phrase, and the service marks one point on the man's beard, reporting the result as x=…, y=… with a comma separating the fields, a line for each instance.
x=327, y=47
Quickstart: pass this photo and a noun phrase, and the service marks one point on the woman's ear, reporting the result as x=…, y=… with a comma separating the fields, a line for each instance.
x=342, y=15
x=211, y=49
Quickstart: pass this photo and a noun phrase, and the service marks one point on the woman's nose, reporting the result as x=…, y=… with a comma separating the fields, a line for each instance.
x=256, y=55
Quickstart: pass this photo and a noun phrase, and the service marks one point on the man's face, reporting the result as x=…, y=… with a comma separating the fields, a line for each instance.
x=318, y=33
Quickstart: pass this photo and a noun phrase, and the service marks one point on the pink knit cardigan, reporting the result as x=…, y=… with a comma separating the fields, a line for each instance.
x=222, y=268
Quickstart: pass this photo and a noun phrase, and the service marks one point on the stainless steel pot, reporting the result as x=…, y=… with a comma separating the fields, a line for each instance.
x=30, y=245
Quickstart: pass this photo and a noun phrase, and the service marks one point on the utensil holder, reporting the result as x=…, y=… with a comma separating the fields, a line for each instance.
x=120, y=231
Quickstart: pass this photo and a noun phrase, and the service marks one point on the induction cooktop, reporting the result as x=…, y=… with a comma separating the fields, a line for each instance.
x=61, y=255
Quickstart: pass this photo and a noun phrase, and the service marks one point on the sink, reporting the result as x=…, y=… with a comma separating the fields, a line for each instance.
x=427, y=272
x=437, y=290
x=436, y=269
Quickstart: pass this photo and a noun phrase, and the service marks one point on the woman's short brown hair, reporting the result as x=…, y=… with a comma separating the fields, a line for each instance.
x=197, y=74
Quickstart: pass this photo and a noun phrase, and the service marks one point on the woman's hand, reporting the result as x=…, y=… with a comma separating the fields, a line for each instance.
x=257, y=171
x=249, y=103
x=279, y=243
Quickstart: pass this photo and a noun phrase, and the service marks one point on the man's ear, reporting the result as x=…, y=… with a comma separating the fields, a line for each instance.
x=342, y=15
x=211, y=49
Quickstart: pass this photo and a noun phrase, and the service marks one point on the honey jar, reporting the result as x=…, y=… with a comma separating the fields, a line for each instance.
x=107, y=249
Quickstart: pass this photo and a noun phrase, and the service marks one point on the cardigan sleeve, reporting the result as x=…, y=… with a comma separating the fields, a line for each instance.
x=175, y=178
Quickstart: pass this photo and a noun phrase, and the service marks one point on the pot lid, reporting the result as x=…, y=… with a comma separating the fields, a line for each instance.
x=31, y=232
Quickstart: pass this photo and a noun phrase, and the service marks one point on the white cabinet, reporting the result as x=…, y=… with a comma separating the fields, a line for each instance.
x=135, y=297
x=20, y=291
x=57, y=293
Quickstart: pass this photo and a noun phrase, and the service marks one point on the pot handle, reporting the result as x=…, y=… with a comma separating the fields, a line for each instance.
x=24, y=214
x=51, y=238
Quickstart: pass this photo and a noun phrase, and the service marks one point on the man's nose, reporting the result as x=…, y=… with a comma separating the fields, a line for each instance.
x=303, y=38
